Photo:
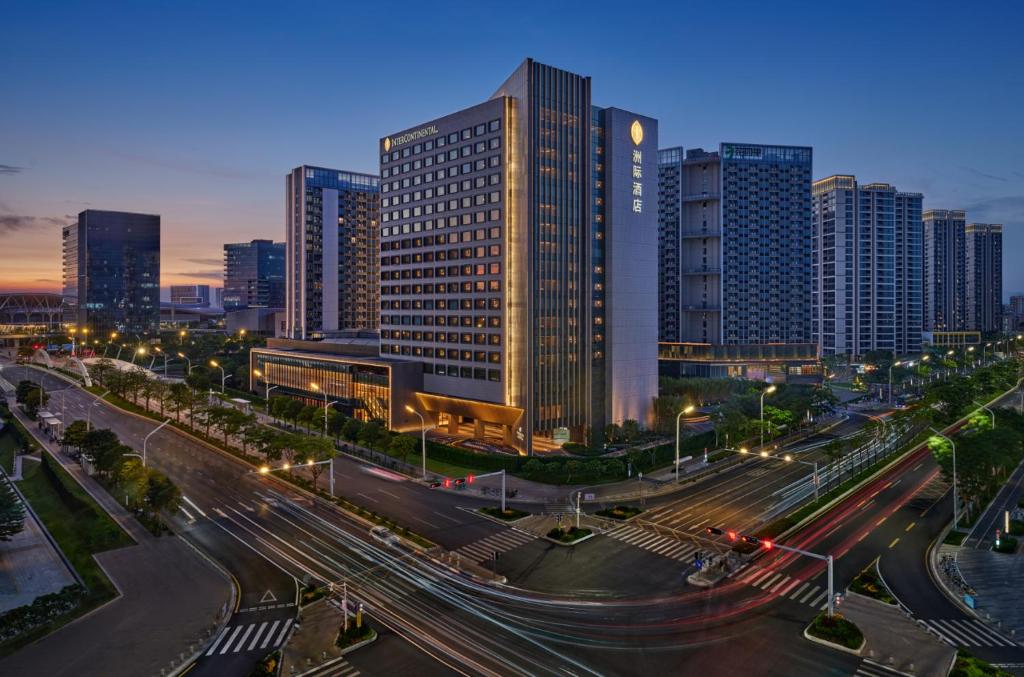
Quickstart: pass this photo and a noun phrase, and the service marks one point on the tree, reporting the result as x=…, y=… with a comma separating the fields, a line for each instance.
x=74, y=435
x=307, y=415
x=133, y=482
x=335, y=422
x=402, y=446
x=352, y=430
x=12, y=512
x=161, y=493
x=318, y=449
x=630, y=430
x=178, y=397
x=370, y=435
x=279, y=406
x=292, y=410
x=147, y=390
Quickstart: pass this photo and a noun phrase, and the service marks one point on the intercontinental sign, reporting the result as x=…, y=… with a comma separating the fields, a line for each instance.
x=423, y=133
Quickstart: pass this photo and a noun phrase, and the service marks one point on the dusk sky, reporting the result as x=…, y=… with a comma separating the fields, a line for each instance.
x=196, y=111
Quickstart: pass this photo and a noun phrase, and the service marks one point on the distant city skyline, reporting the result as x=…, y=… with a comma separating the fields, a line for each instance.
x=117, y=117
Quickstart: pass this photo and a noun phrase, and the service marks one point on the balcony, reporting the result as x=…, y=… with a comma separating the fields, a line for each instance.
x=700, y=233
x=701, y=270
x=700, y=197
x=702, y=308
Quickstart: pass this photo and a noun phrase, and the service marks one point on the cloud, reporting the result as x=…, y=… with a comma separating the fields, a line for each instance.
x=206, y=262
x=11, y=169
x=12, y=223
x=202, y=274
x=981, y=174
x=185, y=165
x=1006, y=209
x=46, y=279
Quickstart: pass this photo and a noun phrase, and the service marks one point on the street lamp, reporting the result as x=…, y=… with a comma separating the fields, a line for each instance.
x=145, y=441
x=73, y=331
x=257, y=373
x=223, y=376
x=182, y=356
x=767, y=391
x=788, y=458
x=181, y=336
x=316, y=387
x=423, y=436
x=894, y=364
x=119, y=349
x=141, y=350
x=956, y=511
x=686, y=410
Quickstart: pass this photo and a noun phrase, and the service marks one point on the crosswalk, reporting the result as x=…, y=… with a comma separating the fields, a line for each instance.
x=794, y=589
x=648, y=540
x=250, y=637
x=966, y=632
x=503, y=541
x=929, y=493
x=869, y=668
x=337, y=668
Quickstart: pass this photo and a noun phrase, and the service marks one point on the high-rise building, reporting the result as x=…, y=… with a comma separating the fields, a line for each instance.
x=867, y=268
x=670, y=242
x=983, y=289
x=1017, y=306
x=218, y=297
x=332, y=232
x=745, y=245
x=191, y=295
x=944, y=273
x=519, y=260
x=253, y=275
x=111, y=272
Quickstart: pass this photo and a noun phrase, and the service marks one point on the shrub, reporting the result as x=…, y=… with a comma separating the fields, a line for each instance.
x=837, y=630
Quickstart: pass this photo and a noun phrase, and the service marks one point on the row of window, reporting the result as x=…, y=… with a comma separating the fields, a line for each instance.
x=442, y=337
x=477, y=321
x=479, y=252
x=492, y=233
x=428, y=193
x=466, y=219
x=442, y=141
x=444, y=353
x=440, y=158
x=477, y=286
x=465, y=270
x=476, y=373
x=442, y=173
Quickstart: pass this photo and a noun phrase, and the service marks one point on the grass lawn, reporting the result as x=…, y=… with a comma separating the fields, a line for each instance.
x=509, y=514
x=441, y=467
x=80, y=530
x=837, y=630
x=868, y=583
x=8, y=446
x=955, y=537
x=968, y=665
x=620, y=512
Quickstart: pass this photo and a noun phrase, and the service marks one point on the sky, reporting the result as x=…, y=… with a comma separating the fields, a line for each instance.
x=197, y=110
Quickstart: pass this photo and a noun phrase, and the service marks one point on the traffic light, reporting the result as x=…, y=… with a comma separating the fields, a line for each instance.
x=714, y=531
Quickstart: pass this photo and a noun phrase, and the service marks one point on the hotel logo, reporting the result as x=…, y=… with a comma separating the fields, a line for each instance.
x=389, y=141
x=387, y=144
x=636, y=131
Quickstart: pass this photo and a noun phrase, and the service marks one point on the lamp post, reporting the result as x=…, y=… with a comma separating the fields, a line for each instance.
x=119, y=349
x=423, y=438
x=145, y=441
x=767, y=391
x=956, y=511
x=257, y=373
x=181, y=337
x=316, y=387
x=223, y=376
x=73, y=331
x=894, y=364
x=686, y=410
x=188, y=361
x=141, y=350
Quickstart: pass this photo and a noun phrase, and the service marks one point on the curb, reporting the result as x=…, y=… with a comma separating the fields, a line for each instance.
x=833, y=645
x=344, y=652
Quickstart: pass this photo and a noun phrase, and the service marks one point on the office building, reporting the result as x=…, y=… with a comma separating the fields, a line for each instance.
x=944, y=270
x=744, y=256
x=191, y=295
x=111, y=272
x=983, y=266
x=1017, y=305
x=670, y=242
x=332, y=232
x=253, y=275
x=866, y=268
x=218, y=297
x=519, y=261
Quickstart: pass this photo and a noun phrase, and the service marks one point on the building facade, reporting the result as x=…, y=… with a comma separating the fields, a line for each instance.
x=983, y=266
x=333, y=239
x=511, y=232
x=111, y=272
x=253, y=275
x=866, y=269
x=191, y=295
x=670, y=242
x=944, y=270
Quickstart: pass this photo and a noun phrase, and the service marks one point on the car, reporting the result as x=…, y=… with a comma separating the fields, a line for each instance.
x=435, y=485
x=384, y=535
x=460, y=482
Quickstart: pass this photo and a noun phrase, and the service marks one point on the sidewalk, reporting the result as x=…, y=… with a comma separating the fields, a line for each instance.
x=894, y=640
x=171, y=600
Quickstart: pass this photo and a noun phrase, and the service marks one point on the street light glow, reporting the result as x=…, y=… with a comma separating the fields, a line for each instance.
x=787, y=458
x=257, y=372
x=409, y=409
x=181, y=354
x=744, y=450
x=264, y=469
x=286, y=466
x=764, y=453
x=309, y=462
x=140, y=350
x=690, y=409
x=314, y=386
x=213, y=363
x=770, y=389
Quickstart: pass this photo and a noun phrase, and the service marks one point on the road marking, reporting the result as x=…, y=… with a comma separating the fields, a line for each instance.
x=231, y=640
x=397, y=498
x=452, y=519
x=280, y=637
x=259, y=633
x=197, y=508
x=917, y=466
x=820, y=598
x=809, y=594
x=701, y=523
x=188, y=515
x=868, y=504
x=429, y=524
x=220, y=637
x=909, y=527
x=894, y=542
x=369, y=498
x=268, y=596
x=270, y=633
x=241, y=641
x=879, y=522
x=800, y=590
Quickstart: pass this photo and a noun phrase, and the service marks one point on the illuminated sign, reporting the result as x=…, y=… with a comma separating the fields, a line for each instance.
x=409, y=136
x=636, y=132
x=732, y=152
